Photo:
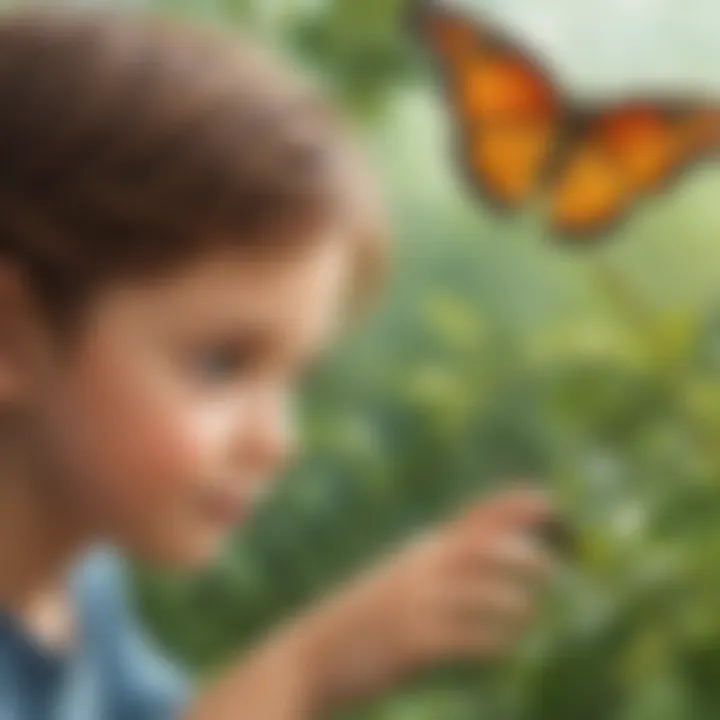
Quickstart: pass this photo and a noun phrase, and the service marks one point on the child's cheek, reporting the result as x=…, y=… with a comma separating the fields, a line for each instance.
x=159, y=476
x=135, y=453
x=160, y=457
x=141, y=451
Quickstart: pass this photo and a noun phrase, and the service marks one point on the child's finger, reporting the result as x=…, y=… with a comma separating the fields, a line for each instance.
x=480, y=642
x=519, y=554
x=508, y=510
x=514, y=554
x=502, y=602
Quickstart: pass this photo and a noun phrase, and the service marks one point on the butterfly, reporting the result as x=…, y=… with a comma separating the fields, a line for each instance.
x=522, y=139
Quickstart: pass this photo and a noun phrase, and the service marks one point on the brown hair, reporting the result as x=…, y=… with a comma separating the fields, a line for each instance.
x=129, y=143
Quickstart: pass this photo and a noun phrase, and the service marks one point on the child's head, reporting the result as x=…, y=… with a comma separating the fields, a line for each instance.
x=180, y=221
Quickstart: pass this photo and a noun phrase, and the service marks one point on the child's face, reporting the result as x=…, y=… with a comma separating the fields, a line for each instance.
x=173, y=411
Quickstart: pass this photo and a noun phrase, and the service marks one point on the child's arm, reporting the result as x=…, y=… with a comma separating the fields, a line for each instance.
x=461, y=592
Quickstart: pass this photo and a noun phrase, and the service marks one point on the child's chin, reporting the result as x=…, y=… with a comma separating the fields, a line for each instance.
x=191, y=553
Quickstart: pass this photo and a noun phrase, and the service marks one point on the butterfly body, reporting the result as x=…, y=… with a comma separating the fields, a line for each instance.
x=521, y=138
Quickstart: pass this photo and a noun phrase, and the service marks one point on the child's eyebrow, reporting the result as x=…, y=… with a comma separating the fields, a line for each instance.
x=258, y=337
x=263, y=340
x=266, y=337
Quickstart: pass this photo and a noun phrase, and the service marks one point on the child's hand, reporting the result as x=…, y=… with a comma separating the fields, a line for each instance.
x=466, y=590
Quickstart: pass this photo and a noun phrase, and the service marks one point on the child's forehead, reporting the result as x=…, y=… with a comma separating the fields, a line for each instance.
x=239, y=287
x=241, y=270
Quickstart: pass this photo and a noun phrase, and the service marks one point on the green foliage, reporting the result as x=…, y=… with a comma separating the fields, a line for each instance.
x=496, y=355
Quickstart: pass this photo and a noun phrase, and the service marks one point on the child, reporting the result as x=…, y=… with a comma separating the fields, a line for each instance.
x=183, y=225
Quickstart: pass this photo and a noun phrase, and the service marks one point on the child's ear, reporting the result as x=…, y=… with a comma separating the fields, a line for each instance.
x=19, y=333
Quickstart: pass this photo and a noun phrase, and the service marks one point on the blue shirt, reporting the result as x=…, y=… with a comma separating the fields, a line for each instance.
x=113, y=672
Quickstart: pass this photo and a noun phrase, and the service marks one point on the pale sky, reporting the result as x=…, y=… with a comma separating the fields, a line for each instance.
x=615, y=46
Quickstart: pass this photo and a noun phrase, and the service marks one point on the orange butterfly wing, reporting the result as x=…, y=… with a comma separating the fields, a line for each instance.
x=518, y=137
x=508, y=111
x=618, y=156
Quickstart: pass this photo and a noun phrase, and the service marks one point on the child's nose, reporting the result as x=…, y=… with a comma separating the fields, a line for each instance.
x=270, y=439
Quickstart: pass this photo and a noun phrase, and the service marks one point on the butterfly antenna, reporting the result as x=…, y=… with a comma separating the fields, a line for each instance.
x=419, y=10
x=417, y=14
x=443, y=29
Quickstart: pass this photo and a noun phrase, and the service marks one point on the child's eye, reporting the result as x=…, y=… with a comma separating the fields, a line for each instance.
x=224, y=362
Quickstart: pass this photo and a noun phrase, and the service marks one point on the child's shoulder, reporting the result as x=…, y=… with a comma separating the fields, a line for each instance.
x=102, y=608
x=99, y=583
x=142, y=680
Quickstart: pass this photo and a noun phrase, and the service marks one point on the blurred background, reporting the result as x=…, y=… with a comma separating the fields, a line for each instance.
x=497, y=353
